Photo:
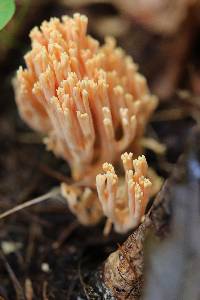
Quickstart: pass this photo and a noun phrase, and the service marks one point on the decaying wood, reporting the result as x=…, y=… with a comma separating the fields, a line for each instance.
x=124, y=268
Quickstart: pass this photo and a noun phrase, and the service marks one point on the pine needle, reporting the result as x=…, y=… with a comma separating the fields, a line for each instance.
x=34, y=201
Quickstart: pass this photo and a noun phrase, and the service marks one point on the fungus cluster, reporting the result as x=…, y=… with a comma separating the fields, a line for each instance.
x=92, y=105
x=124, y=201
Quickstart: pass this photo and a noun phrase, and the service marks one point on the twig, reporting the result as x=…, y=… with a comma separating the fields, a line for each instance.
x=54, y=174
x=84, y=286
x=44, y=291
x=28, y=289
x=54, y=192
x=65, y=234
x=172, y=114
x=31, y=242
x=154, y=145
x=16, y=284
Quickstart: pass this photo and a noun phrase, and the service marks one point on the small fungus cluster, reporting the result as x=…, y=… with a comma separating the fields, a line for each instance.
x=92, y=105
x=124, y=201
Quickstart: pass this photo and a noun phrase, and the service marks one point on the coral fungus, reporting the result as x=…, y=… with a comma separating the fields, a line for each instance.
x=88, y=99
x=124, y=203
x=92, y=104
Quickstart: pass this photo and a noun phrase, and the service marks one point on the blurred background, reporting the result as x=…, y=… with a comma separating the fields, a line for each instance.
x=161, y=35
